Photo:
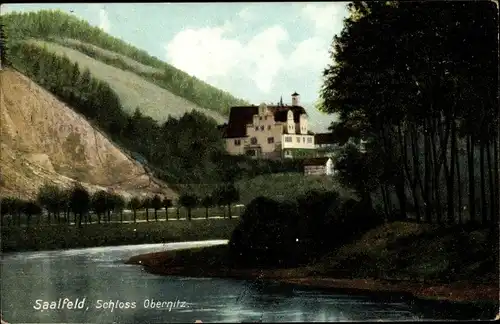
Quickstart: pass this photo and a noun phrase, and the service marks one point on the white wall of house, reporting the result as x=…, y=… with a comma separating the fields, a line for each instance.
x=294, y=141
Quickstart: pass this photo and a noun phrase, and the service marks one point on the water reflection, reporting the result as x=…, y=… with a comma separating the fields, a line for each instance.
x=99, y=275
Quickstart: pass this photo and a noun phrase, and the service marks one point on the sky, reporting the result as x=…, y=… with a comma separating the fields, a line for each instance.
x=255, y=51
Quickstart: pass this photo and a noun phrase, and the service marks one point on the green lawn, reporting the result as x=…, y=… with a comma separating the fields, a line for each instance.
x=45, y=237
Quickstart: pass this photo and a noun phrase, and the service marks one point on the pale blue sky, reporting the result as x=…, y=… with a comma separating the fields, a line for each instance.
x=256, y=51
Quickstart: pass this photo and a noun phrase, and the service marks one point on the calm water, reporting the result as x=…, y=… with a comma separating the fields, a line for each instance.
x=99, y=276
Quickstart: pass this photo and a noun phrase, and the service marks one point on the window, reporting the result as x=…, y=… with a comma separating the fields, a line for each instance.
x=265, y=118
x=237, y=142
x=260, y=117
x=262, y=127
x=303, y=139
x=309, y=140
x=268, y=127
x=298, y=139
x=270, y=140
x=288, y=139
x=257, y=128
x=253, y=140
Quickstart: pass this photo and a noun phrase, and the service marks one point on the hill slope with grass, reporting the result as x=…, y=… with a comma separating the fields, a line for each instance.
x=158, y=89
x=44, y=140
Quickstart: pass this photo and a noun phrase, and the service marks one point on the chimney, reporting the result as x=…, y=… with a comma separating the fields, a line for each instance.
x=295, y=99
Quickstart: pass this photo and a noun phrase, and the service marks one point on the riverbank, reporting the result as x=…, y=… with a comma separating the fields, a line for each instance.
x=398, y=258
x=53, y=237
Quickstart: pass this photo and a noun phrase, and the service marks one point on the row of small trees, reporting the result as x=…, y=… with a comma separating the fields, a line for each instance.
x=59, y=204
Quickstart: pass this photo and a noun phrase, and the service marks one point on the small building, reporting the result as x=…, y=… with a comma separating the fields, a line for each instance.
x=319, y=166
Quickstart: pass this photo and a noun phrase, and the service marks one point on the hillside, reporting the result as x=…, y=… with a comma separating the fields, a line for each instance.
x=42, y=139
x=133, y=90
x=74, y=33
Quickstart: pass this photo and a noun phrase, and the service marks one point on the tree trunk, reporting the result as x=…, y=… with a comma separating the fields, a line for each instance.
x=427, y=194
x=459, y=189
x=109, y=216
x=470, y=166
x=385, y=198
x=497, y=178
x=493, y=210
x=156, y=215
x=166, y=213
x=484, y=210
x=206, y=212
x=230, y=216
x=178, y=214
x=121, y=216
x=48, y=218
x=135, y=216
x=98, y=218
x=451, y=175
x=147, y=214
x=189, y=213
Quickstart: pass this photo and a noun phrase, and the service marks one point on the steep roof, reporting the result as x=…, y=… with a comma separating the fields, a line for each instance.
x=240, y=117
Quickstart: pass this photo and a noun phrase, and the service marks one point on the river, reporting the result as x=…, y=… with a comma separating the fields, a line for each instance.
x=99, y=275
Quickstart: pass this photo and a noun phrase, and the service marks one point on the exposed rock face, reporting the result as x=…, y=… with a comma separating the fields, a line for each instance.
x=43, y=140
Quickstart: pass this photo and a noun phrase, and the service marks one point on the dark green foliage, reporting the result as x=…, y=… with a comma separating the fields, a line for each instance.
x=405, y=77
x=156, y=203
x=99, y=203
x=47, y=24
x=226, y=195
x=79, y=202
x=134, y=205
x=188, y=201
x=207, y=202
x=291, y=233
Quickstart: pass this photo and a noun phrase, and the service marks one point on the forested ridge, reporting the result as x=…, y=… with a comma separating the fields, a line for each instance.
x=54, y=24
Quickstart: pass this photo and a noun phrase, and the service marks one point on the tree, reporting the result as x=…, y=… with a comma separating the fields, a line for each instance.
x=98, y=204
x=188, y=201
x=167, y=203
x=146, y=204
x=31, y=208
x=119, y=204
x=226, y=195
x=79, y=201
x=135, y=204
x=417, y=116
x=156, y=203
x=207, y=202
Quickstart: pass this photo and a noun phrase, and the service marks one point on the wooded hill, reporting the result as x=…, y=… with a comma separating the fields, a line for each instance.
x=55, y=25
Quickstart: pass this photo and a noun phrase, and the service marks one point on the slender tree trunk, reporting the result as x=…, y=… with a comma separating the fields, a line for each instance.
x=229, y=211
x=189, y=213
x=451, y=176
x=206, y=212
x=48, y=218
x=166, y=213
x=497, y=178
x=147, y=214
x=121, y=216
x=459, y=189
x=493, y=210
x=98, y=218
x=416, y=166
x=178, y=214
x=427, y=173
x=156, y=215
x=385, y=198
x=470, y=166
x=484, y=210
x=135, y=216
x=413, y=185
x=109, y=216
